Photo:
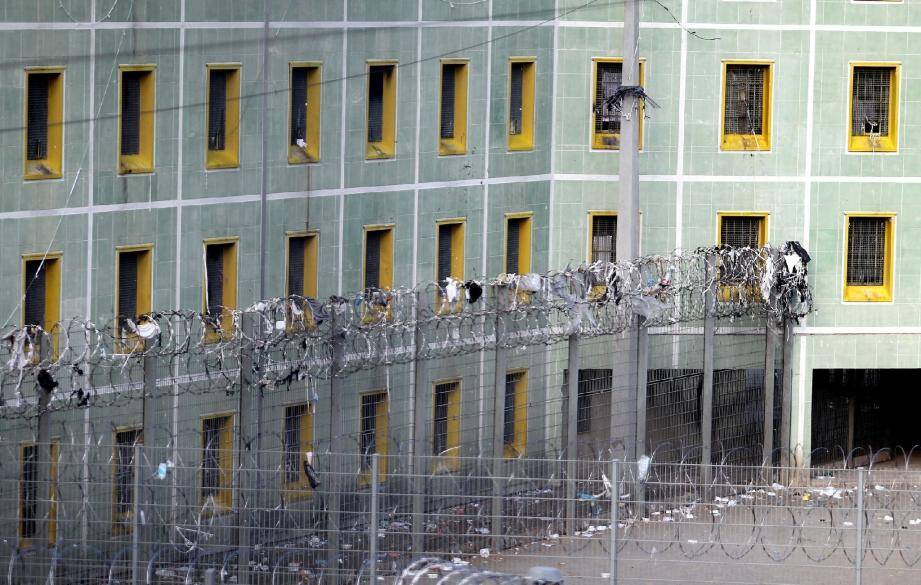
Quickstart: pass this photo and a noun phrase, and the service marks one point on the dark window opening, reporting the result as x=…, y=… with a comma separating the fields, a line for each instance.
x=604, y=238
x=866, y=251
x=608, y=80
x=131, y=112
x=299, y=78
x=37, y=115
x=515, y=102
x=744, y=108
x=217, y=109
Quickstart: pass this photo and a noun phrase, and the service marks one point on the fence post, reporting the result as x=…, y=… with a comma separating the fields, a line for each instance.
x=420, y=394
x=770, y=348
x=334, y=463
x=142, y=535
x=44, y=488
x=373, y=523
x=498, y=425
x=642, y=374
x=706, y=401
x=137, y=561
x=249, y=409
x=572, y=430
x=858, y=559
x=615, y=516
x=787, y=401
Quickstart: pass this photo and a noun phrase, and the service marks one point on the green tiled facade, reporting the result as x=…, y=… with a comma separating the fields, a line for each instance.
x=807, y=182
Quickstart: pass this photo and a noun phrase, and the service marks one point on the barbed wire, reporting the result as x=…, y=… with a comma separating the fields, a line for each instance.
x=297, y=338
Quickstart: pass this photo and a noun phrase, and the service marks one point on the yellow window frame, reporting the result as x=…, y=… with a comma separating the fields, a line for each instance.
x=458, y=240
x=229, y=157
x=381, y=434
x=311, y=153
x=386, y=254
x=752, y=293
x=611, y=140
x=55, y=449
x=450, y=460
x=311, y=249
x=50, y=167
x=591, y=228
x=143, y=162
x=386, y=147
x=871, y=294
x=229, y=284
x=525, y=139
x=746, y=142
x=121, y=521
x=300, y=488
x=890, y=142
x=518, y=446
x=52, y=268
x=144, y=291
x=524, y=240
x=458, y=143
x=223, y=499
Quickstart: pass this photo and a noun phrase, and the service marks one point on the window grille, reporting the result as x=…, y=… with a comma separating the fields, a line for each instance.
x=741, y=231
x=368, y=437
x=28, y=490
x=604, y=238
x=743, y=111
x=870, y=101
x=213, y=430
x=440, y=419
x=448, y=83
x=299, y=76
x=607, y=81
x=508, y=422
x=131, y=112
x=297, y=247
x=127, y=285
x=866, y=251
x=445, y=248
x=591, y=382
x=292, y=438
x=217, y=109
x=34, y=302
x=373, y=259
x=513, y=246
x=515, y=103
x=37, y=115
x=214, y=264
x=376, y=75
x=125, y=442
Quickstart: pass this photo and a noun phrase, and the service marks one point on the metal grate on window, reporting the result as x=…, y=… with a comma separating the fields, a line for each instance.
x=34, y=302
x=37, y=115
x=448, y=83
x=515, y=103
x=604, y=238
x=128, y=285
x=591, y=382
x=131, y=112
x=376, y=78
x=212, y=429
x=373, y=259
x=368, y=437
x=217, y=109
x=28, y=504
x=508, y=422
x=297, y=247
x=608, y=79
x=440, y=419
x=445, y=249
x=214, y=266
x=292, y=438
x=299, y=76
x=741, y=231
x=743, y=111
x=870, y=101
x=125, y=442
x=513, y=246
x=866, y=251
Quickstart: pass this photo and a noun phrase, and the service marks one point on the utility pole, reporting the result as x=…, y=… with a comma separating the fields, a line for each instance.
x=631, y=390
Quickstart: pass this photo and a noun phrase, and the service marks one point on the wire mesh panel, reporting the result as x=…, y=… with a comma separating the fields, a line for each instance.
x=870, y=101
x=738, y=231
x=604, y=238
x=448, y=82
x=37, y=115
x=866, y=250
x=131, y=112
x=515, y=100
x=376, y=77
x=299, y=78
x=743, y=111
x=217, y=109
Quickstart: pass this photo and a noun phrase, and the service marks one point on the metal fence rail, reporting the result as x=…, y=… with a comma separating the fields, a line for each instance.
x=151, y=517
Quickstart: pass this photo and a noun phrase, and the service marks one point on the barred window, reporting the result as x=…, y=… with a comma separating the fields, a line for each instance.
x=512, y=381
x=870, y=101
x=741, y=231
x=604, y=238
x=124, y=464
x=866, y=251
x=591, y=383
x=444, y=436
x=304, y=113
x=608, y=79
x=518, y=245
x=381, y=121
x=217, y=460
x=745, y=93
x=223, y=117
x=44, y=132
x=296, y=438
x=522, y=82
x=372, y=435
